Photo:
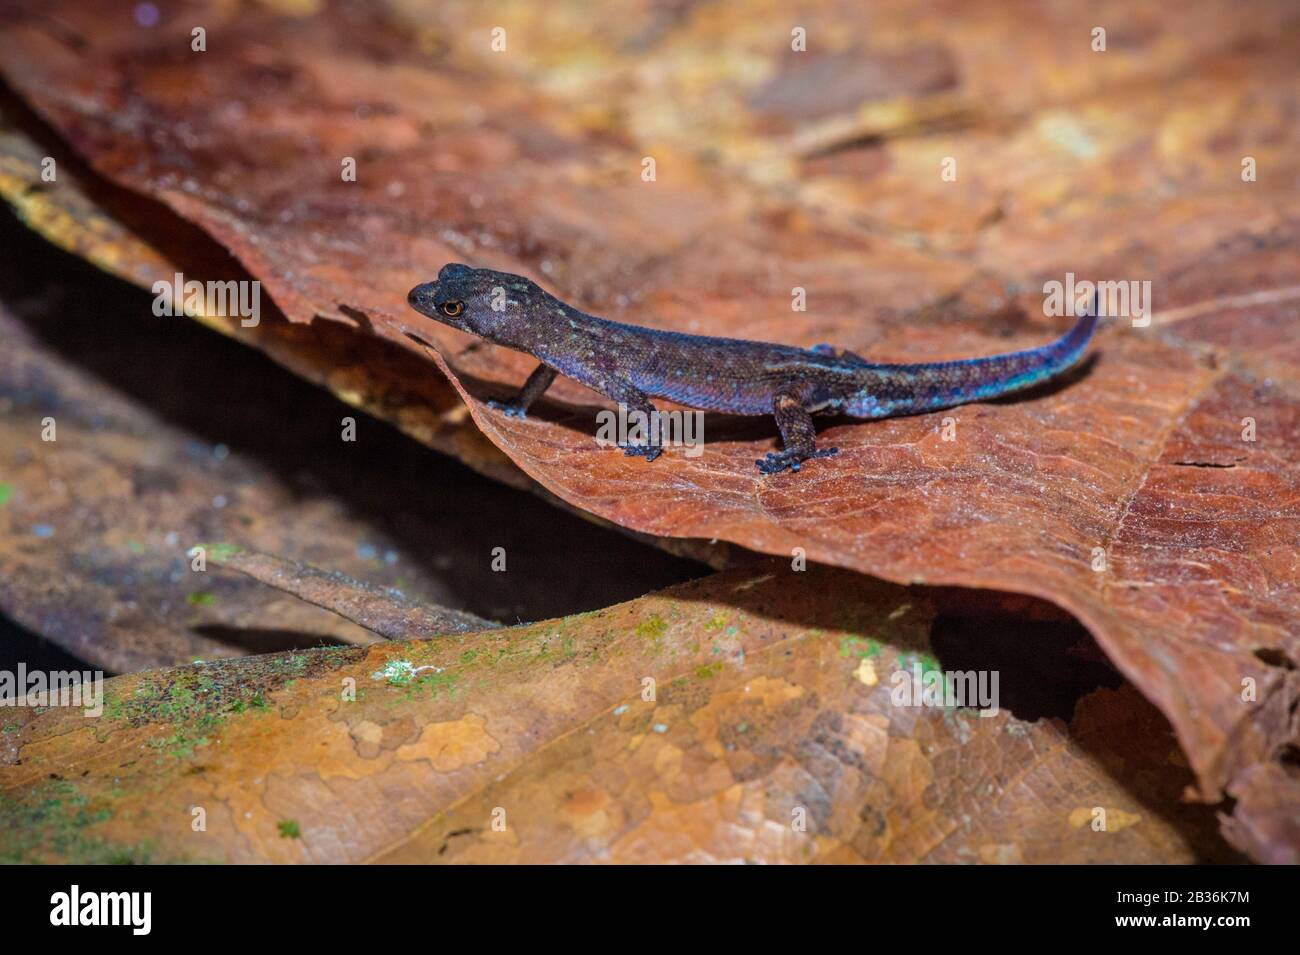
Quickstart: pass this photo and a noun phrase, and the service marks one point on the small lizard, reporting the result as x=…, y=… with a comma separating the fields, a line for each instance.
x=630, y=364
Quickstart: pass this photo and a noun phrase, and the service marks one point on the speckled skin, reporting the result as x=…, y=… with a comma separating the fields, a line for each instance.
x=631, y=364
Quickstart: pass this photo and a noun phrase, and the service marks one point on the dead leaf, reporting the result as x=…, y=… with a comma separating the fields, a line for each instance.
x=717, y=721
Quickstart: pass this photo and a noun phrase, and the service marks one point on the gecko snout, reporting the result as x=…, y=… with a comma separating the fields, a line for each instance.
x=421, y=297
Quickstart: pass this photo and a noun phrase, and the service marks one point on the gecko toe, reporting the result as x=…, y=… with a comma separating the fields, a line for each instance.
x=775, y=463
x=509, y=408
x=649, y=452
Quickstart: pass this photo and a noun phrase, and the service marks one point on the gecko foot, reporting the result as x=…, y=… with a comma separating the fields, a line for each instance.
x=649, y=451
x=512, y=409
x=776, y=462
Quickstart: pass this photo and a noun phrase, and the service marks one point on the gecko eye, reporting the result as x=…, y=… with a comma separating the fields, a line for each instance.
x=452, y=309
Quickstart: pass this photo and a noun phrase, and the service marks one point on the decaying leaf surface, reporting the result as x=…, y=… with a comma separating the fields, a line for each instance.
x=749, y=716
x=1124, y=165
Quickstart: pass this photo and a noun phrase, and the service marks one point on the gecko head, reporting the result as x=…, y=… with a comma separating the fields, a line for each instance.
x=480, y=301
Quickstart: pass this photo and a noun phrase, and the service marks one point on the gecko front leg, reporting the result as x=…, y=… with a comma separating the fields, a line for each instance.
x=533, y=389
x=798, y=435
x=637, y=402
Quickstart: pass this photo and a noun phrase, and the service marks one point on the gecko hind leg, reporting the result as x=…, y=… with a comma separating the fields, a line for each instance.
x=533, y=389
x=798, y=436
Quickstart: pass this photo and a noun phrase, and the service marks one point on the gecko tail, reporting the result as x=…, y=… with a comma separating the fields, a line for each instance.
x=910, y=389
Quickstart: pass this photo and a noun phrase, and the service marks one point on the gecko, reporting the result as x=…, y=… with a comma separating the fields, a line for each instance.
x=630, y=364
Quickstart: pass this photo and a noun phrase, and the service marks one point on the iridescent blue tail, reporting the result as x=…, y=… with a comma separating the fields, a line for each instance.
x=910, y=389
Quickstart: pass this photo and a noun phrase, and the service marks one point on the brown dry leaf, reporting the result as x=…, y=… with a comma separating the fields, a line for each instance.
x=1124, y=165
x=748, y=716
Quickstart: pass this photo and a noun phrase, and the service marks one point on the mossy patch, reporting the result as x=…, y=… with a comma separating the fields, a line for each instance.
x=437, y=683
x=859, y=647
x=928, y=661
x=196, y=699
x=557, y=646
x=218, y=552
x=652, y=629
x=53, y=821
